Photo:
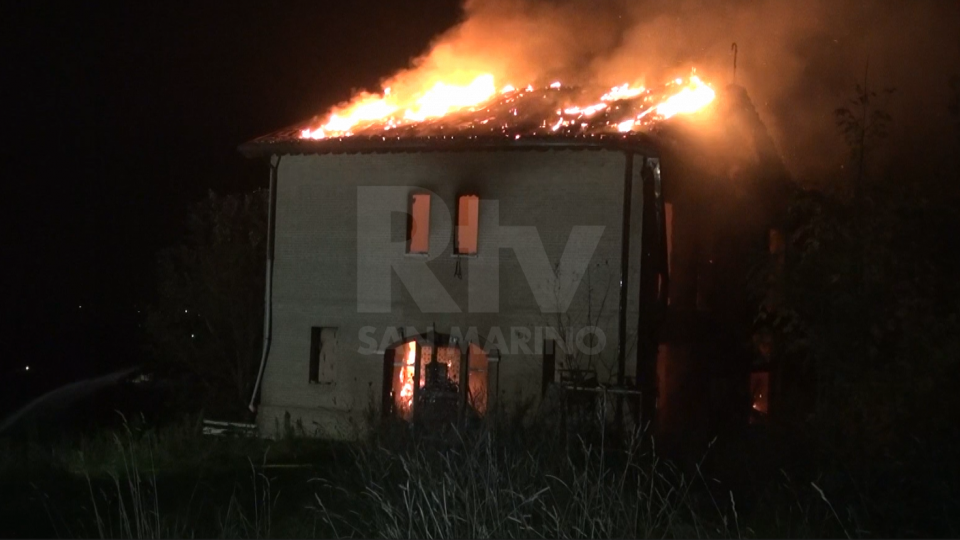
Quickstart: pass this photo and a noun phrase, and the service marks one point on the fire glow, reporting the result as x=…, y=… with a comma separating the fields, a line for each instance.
x=478, y=106
x=405, y=378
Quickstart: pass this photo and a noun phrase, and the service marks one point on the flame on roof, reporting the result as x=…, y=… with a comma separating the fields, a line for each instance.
x=479, y=109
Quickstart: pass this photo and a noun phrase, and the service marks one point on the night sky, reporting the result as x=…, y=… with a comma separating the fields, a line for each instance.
x=122, y=115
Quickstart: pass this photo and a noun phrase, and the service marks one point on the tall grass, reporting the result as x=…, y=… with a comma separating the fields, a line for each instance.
x=480, y=487
x=128, y=504
x=131, y=509
x=515, y=483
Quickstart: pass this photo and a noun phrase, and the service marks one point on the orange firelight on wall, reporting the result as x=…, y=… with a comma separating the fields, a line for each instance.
x=418, y=240
x=468, y=214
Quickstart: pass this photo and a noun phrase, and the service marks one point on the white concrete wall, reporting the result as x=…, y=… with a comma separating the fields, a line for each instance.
x=315, y=270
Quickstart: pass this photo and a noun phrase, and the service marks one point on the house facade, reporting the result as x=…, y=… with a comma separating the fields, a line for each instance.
x=491, y=261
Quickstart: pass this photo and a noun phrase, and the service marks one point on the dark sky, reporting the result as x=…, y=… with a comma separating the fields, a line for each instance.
x=117, y=116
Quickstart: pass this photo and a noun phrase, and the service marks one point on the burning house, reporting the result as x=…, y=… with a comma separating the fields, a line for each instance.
x=483, y=248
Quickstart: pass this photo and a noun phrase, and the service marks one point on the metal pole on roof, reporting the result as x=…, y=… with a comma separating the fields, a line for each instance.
x=733, y=47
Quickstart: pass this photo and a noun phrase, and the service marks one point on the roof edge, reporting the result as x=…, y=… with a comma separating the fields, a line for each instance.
x=268, y=145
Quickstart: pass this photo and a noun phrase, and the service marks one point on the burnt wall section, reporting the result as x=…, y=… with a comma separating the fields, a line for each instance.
x=726, y=188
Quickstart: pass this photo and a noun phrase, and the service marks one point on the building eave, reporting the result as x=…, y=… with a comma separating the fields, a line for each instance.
x=288, y=142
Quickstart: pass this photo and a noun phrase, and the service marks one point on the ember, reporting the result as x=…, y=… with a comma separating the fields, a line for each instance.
x=478, y=108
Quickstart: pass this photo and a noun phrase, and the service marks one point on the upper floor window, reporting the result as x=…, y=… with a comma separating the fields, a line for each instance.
x=418, y=237
x=468, y=214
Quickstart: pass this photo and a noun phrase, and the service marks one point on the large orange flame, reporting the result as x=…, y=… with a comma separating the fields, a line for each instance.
x=692, y=97
x=386, y=111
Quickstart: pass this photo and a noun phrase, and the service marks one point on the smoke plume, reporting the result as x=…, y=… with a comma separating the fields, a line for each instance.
x=798, y=60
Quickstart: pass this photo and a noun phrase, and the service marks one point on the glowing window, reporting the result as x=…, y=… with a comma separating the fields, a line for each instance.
x=468, y=214
x=418, y=240
x=402, y=369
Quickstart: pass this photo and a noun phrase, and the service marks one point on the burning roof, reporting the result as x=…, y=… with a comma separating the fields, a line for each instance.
x=477, y=115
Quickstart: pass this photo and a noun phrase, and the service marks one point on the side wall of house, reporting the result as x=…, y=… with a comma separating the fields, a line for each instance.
x=530, y=202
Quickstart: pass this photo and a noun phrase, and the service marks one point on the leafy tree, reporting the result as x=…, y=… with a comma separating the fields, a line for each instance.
x=208, y=319
x=863, y=125
x=867, y=316
x=866, y=319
